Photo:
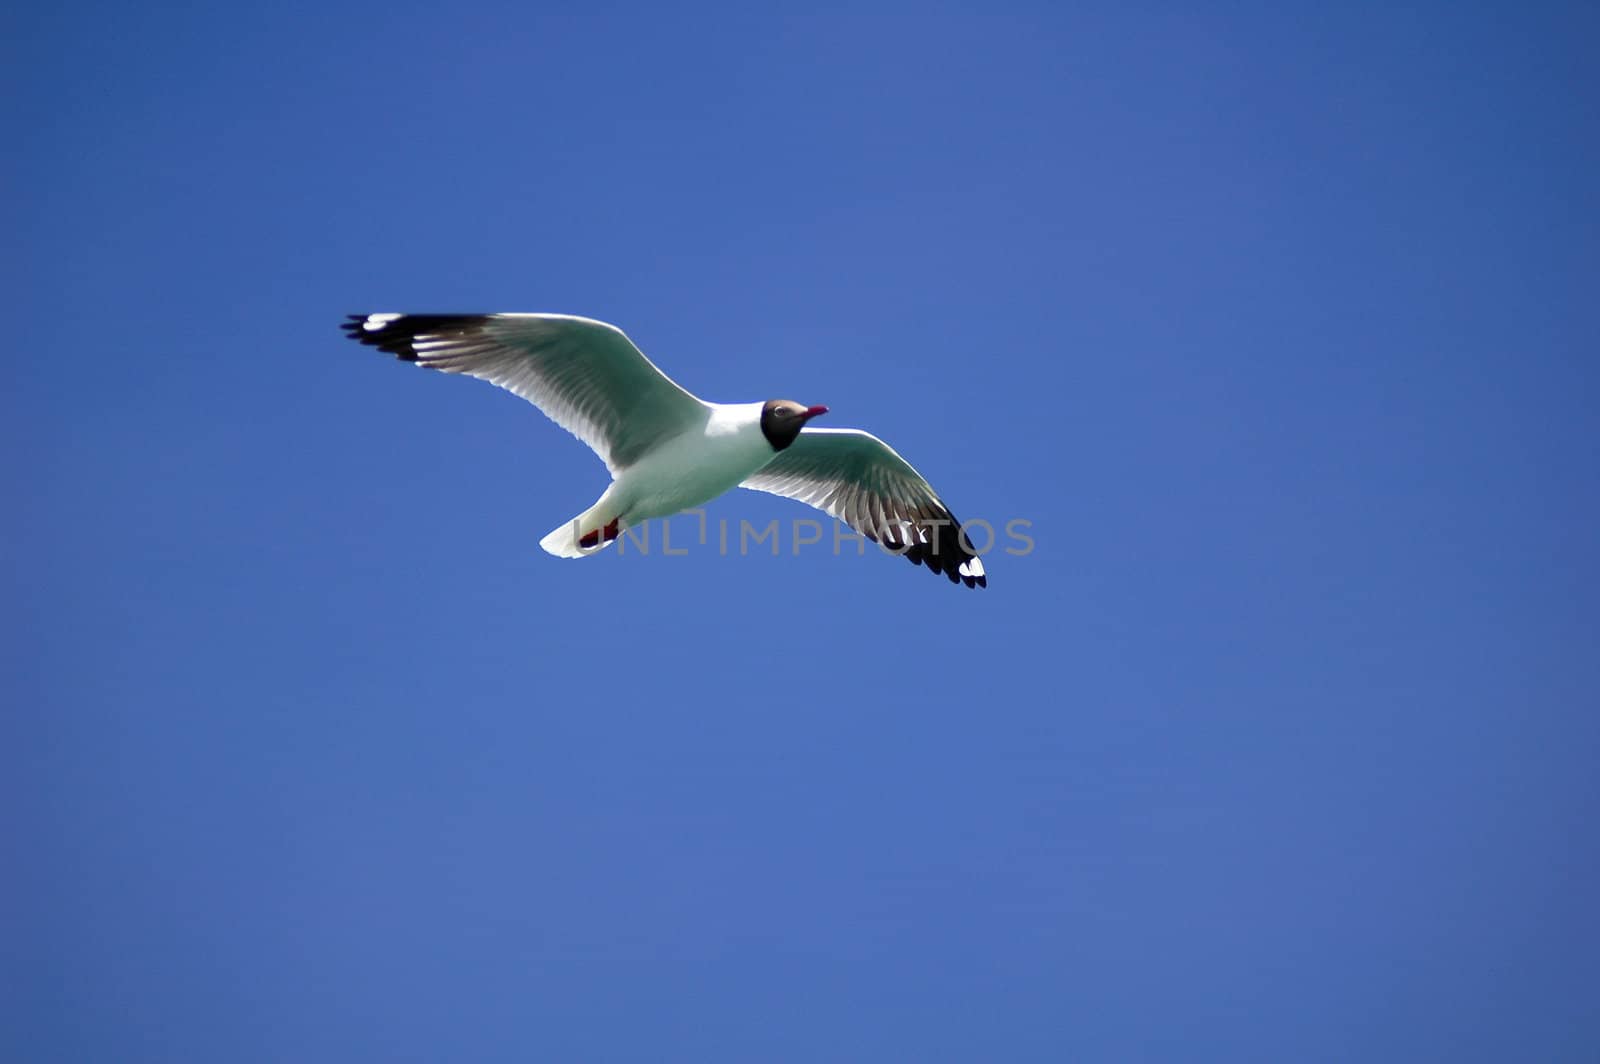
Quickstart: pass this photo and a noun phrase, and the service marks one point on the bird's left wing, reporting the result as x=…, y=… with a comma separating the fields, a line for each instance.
x=585, y=375
x=859, y=479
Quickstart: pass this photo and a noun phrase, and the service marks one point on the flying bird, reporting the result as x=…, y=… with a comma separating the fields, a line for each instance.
x=669, y=451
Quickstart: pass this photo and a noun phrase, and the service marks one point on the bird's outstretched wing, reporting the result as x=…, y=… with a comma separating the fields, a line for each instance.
x=585, y=375
x=859, y=479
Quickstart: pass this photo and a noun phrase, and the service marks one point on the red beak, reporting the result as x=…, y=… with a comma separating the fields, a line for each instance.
x=814, y=411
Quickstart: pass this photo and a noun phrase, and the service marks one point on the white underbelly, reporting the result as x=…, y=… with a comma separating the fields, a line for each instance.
x=687, y=472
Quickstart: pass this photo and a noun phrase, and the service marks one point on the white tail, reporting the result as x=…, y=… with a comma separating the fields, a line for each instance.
x=563, y=540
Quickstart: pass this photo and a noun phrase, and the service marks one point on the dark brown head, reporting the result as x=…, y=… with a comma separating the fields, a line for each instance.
x=782, y=420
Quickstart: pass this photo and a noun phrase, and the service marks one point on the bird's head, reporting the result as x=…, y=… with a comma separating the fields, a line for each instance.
x=782, y=420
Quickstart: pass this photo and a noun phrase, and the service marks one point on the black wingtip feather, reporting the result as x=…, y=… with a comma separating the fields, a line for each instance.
x=399, y=334
x=947, y=550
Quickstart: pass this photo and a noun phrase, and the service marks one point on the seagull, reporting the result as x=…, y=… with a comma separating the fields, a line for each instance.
x=669, y=451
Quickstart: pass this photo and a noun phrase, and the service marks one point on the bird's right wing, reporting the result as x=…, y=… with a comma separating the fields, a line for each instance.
x=585, y=375
x=859, y=479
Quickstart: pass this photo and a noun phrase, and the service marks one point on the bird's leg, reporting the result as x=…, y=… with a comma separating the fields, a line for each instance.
x=591, y=540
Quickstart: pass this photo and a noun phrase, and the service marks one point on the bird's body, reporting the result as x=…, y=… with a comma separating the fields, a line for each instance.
x=669, y=451
x=686, y=470
x=698, y=465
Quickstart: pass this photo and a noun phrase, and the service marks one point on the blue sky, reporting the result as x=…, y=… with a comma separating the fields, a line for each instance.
x=1277, y=322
